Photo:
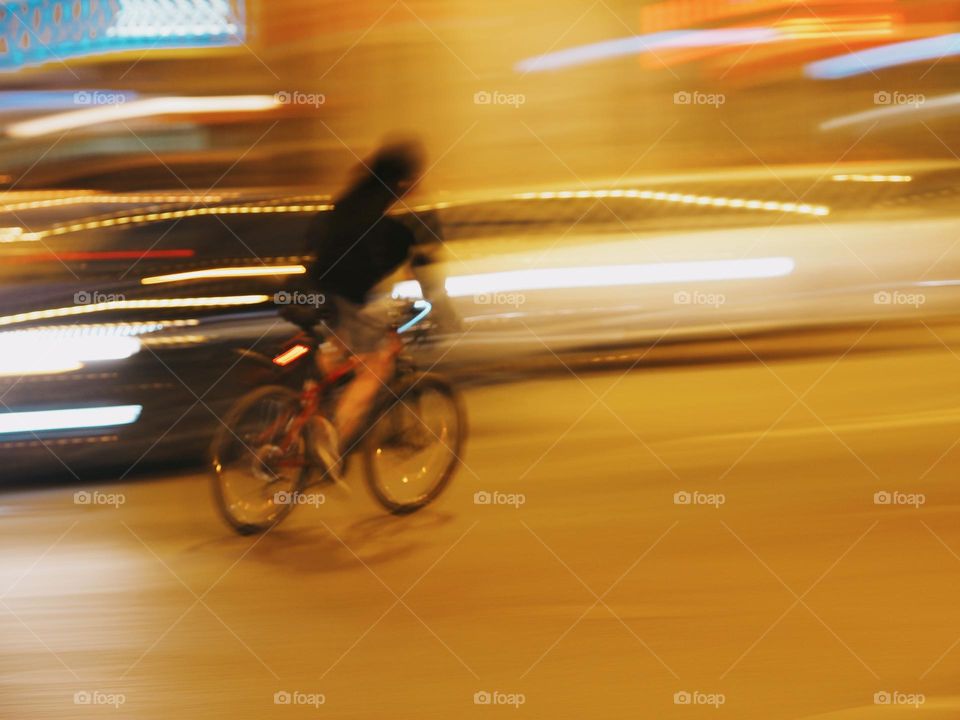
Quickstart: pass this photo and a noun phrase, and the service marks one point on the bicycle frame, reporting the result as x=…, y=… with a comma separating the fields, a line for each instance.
x=305, y=348
x=313, y=391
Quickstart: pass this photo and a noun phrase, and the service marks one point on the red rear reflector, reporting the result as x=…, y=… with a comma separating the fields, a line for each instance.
x=101, y=255
x=285, y=358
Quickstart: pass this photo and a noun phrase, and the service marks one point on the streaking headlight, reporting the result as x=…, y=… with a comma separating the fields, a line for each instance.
x=39, y=352
x=68, y=419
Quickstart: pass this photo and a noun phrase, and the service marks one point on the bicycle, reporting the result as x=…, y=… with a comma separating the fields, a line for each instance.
x=262, y=456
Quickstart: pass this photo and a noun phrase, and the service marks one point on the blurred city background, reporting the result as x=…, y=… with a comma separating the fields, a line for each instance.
x=702, y=267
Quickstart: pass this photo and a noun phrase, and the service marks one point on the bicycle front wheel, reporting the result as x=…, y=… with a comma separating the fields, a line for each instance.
x=415, y=443
x=258, y=460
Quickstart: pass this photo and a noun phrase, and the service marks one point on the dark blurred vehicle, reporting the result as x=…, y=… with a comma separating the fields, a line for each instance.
x=101, y=371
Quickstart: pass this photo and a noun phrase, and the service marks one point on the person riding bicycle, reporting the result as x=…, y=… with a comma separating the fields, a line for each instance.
x=356, y=246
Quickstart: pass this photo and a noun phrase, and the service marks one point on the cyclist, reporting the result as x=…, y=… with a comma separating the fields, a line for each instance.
x=356, y=246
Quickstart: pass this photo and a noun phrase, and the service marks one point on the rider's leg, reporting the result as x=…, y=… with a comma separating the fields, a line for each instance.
x=374, y=371
x=331, y=355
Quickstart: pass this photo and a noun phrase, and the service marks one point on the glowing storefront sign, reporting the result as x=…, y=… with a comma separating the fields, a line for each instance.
x=33, y=32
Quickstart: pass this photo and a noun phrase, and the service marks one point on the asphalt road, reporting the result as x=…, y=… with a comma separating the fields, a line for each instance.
x=596, y=596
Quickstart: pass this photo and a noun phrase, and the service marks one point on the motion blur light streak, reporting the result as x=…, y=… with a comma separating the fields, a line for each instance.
x=873, y=178
x=683, y=198
x=887, y=56
x=218, y=273
x=91, y=199
x=45, y=352
x=832, y=28
x=638, y=44
x=26, y=100
x=106, y=329
x=612, y=275
x=159, y=217
x=929, y=108
x=153, y=107
x=104, y=255
x=68, y=419
x=38, y=194
x=791, y=30
x=156, y=304
x=606, y=276
x=174, y=340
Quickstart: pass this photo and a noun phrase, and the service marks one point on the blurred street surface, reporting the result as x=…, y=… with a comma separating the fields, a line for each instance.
x=592, y=595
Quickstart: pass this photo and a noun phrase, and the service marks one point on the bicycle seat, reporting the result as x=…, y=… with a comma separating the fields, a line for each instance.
x=306, y=317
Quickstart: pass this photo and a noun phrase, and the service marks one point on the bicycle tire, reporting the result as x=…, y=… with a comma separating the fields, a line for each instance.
x=225, y=435
x=405, y=388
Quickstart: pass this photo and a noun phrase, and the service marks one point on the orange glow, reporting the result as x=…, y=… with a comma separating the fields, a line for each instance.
x=676, y=14
x=811, y=28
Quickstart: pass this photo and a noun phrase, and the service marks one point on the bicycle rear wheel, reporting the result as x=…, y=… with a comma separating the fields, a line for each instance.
x=415, y=444
x=258, y=460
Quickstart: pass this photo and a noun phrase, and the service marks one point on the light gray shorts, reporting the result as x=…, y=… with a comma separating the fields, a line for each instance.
x=362, y=328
